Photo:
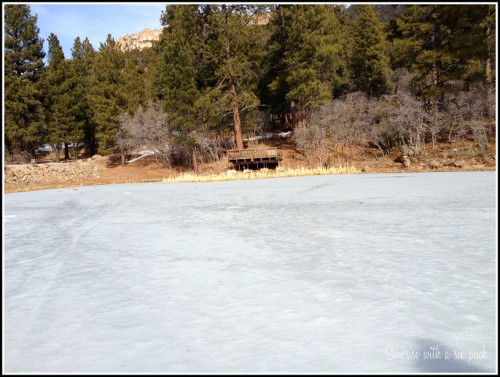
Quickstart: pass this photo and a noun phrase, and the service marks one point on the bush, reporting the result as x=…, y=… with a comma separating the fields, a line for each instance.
x=17, y=158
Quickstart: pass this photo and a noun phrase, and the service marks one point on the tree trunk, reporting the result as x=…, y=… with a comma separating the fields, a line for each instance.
x=488, y=63
x=195, y=161
x=122, y=153
x=86, y=148
x=66, y=151
x=93, y=147
x=236, y=113
x=293, y=115
x=57, y=153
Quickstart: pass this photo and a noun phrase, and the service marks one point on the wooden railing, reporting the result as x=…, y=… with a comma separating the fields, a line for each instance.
x=254, y=154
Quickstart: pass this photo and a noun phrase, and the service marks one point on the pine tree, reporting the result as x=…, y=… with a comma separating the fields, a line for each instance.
x=370, y=64
x=233, y=40
x=314, y=64
x=82, y=55
x=146, y=60
x=175, y=73
x=474, y=39
x=207, y=67
x=274, y=81
x=178, y=74
x=56, y=83
x=134, y=79
x=23, y=62
x=442, y=44
x=107, y=97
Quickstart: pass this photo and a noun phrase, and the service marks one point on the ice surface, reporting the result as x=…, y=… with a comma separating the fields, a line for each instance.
x=327, y=274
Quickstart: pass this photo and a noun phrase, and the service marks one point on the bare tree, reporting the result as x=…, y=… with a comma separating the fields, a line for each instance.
x=341, y=123
x=436, y=120
x=399, y=120
x=480, y=138
x=408, y=120
x=356, y=119
x=311, y=138
x=379, y=131
x=149, y=128
x=466, y=107
x=210, y=147
x=124, y=138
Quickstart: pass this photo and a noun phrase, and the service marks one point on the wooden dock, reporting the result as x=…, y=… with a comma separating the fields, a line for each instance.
x=254, y=158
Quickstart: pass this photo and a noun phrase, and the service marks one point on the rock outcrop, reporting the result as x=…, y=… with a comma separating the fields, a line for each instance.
x=139, y=40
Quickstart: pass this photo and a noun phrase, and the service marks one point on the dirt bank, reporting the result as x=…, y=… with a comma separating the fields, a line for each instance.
x=100, y=170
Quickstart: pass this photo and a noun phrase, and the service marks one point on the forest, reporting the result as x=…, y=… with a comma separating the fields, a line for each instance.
x=404, y=77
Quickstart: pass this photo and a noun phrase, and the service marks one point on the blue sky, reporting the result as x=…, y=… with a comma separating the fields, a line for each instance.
x=94, y=21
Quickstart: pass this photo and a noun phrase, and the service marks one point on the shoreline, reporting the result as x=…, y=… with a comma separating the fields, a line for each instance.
x=11, y=187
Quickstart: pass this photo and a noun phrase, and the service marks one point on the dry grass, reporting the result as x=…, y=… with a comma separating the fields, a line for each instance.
x=258, y=174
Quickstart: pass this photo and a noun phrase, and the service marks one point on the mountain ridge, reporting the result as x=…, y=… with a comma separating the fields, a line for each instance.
x=140, y=40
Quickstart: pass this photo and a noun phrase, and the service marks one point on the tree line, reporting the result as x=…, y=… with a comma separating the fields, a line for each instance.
x=387, y=75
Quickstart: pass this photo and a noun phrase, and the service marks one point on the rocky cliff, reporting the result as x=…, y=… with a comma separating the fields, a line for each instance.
x=139, y=40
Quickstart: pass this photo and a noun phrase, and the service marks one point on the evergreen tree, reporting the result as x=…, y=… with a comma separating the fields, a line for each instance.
x=146, y=60
x=57, y=86
x=23, y=63
x=370, y=64
x=233, y=40
x=444, y=45
x=82, y=55
x=106, y=95
x=135, y=80
x=178, y=73
x=314, y=64
x=474, y=40
x=274, y=82
x=207, y=67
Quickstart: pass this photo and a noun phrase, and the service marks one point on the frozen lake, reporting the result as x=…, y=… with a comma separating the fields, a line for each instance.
x=386, y=273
